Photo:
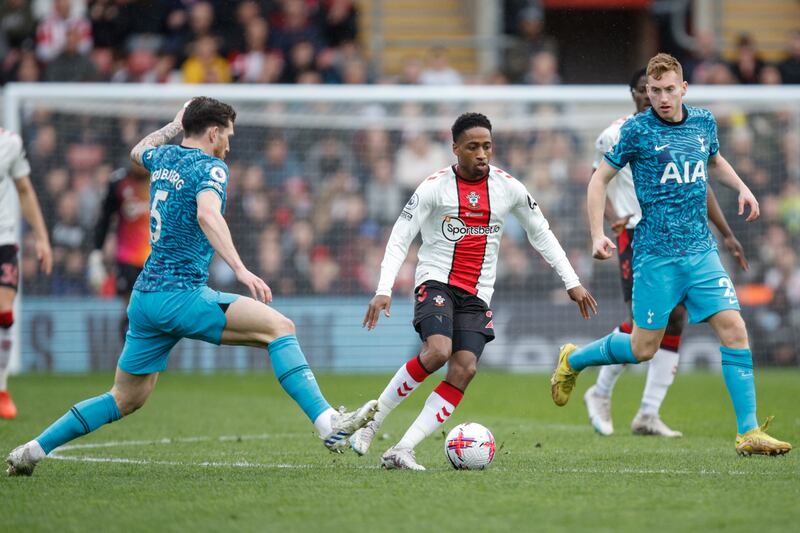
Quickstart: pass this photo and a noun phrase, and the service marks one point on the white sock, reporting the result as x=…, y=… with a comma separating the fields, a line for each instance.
x=323, y=421
x=405, y=381
x=5, y=356
x=606, y=379
x=660, y=376
x=438, y=408
x=37, y=453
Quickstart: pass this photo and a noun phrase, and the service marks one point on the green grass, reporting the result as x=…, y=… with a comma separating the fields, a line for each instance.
x=552, y=473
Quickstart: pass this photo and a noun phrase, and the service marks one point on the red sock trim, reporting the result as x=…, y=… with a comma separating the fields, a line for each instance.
x=671, y=342
x=625, y=328
x=450, y=394
x=416, y=370
x=6, y=319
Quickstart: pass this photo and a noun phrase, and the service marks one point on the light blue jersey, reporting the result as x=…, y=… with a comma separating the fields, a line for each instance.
x=181, y=252
x=669, y=161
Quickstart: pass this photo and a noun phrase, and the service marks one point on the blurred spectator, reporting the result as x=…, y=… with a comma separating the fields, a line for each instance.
x=383, y=194
x=52, y=31
x=543, y=69
x=418, y=158
x=234, y=32
x=17, y=25
x=339, y=21
x=293, y=25
x=194, y=23
x=256, y=63
x=327, y=157
x=747, y=65
x=25, y=68
x=301, y=59
x=205, y=65
x=109, y=22
x=790, y=67
x=770, y=75
x=439, y=71
x=529, y=40
x=71, y=65
x=411, y=71
x=278, y=164
x=704, y=57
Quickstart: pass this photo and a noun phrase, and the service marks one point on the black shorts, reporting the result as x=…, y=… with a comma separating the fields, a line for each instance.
x=126, y=277
x=442, y=309
x=625, y=252
x=9, y=266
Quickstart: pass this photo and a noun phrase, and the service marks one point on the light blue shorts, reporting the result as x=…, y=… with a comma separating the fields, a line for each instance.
x=158, y=320
x=698, y=281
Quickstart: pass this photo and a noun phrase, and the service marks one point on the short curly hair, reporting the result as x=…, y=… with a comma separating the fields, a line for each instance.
x=468, y=121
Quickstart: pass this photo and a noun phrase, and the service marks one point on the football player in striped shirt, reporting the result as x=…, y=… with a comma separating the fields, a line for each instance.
x=460, y=211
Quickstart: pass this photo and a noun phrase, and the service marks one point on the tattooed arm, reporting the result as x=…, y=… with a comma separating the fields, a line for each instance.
x=157, y=138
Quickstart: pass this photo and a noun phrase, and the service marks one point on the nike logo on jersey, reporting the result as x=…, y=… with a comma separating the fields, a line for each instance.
x=659, y=148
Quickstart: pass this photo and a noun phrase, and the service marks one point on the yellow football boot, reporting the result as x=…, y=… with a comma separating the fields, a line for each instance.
x=563, y=380
x=757, y=442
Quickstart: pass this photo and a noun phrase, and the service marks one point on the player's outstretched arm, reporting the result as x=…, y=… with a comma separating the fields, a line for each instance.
x=602, y=246
x=732, y=244
x=29, y=204
x=209, y=216
x=159, y=137
x=726, y=175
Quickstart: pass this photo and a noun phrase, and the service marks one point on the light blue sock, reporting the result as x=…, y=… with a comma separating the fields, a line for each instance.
x=295, y=376
x=613, y=349
x=737, y=369
x=83, y=418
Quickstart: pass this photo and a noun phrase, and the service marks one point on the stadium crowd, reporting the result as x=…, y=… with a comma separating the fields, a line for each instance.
x=311, y=208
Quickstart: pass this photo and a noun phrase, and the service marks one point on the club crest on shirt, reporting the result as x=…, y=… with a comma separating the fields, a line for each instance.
x=412, y=203
x=438, y=300
x=473, y=198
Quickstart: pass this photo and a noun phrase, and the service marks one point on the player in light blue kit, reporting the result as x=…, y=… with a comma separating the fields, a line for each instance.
x=171, y=300
x=675, y=256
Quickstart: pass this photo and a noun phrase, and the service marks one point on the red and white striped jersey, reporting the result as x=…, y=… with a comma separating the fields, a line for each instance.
x=462, y=224
x=13, y=166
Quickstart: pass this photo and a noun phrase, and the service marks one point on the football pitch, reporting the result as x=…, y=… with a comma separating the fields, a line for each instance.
x=233, y=453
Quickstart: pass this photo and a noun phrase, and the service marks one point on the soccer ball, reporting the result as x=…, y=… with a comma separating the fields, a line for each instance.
x=469, y=446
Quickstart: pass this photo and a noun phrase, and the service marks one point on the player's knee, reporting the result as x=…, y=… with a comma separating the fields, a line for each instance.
x=284, y=327
x=128, y=402
x=6, y=319
x=436, y=353
x=734, y=333
x=644, y=351
x=460, y=374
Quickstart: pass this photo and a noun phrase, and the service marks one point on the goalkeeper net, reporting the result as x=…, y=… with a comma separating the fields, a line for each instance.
x=320, y=174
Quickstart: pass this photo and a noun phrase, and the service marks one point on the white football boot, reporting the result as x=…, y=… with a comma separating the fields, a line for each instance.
x=400, y=459
x=23, y=459
x=599, y=408
x=649, y=424
x=346, y=423
x=361, y=439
